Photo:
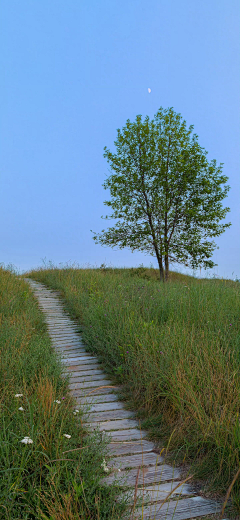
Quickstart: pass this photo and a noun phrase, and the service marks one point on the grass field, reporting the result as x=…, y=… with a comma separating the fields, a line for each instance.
x=49, y=476
x=176, y=349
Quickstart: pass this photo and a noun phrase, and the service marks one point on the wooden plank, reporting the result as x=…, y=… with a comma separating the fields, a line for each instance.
x=129, y=448
x=126, y=435
x=55, y=319
x=53, y=325
x=136, y=460
x=52, y=329
x=58, y=323
x=93, y=401
x=73, y=357
x=70, y=325
x=65, y=332
x=67, y=340
x=65, y=337
x=159, y=492
x=121, y=424
x=89, y=384
x=79, y=378
x=82, y=362
x=70, y=353
x=59, y=327
x=61, y=320
x=106, y=406
x=50, y=308
x=62, y=315
x=66, y=328
x=68, y=346
x=91, y=392
x=50, y=305
x=83, y=373
x=52, y=302
x=180, y=510
x=108, y=415
x=63, y=353
x=83, y=368
x=66, y=343
x=78, y=359
x=83, y=378
x=60, y=330
x=148, y=475
x=59, y=317
x=63, y=328
x=73, y=352
x=69, y=343
x=69, y=349
x=75, y=348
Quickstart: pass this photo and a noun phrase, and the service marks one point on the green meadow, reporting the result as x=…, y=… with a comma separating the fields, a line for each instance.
x=175, y=349
x=49, y=476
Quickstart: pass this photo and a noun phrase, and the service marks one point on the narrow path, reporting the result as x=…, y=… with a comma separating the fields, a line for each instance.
x=129, y=445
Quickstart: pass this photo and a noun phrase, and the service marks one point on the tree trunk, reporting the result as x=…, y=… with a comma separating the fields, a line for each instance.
x=166, y=263
x=166, y=268
x=160, y=263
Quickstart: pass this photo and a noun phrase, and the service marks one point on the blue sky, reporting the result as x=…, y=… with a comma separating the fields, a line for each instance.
x=72, y=73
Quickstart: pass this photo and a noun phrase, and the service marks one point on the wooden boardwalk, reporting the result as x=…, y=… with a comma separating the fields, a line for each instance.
x=133, y=454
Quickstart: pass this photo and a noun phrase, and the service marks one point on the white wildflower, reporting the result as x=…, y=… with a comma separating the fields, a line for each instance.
x=18, y=395
x=58, y=402
x=27, y=440
x=21, y=408
x=67, y=436
x=75, y=412
x=104, y=466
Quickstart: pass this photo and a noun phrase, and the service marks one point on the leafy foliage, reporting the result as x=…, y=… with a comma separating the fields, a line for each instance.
x=165, y=191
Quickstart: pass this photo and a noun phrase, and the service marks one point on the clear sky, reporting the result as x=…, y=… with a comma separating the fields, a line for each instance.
x=74, y=71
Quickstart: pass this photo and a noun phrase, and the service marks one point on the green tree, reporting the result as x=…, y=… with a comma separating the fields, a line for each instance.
x=166, y=193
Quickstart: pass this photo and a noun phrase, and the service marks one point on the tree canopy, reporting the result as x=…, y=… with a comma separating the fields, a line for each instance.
x=166, y=193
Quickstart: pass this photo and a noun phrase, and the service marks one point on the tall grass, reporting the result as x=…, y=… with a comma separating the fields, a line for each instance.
x=53, y=477
x=176, y=349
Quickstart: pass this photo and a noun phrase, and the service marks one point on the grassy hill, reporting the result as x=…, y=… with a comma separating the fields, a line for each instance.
x=176, y=349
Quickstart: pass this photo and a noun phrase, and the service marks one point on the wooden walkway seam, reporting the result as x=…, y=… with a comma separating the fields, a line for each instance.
x=133, y=455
